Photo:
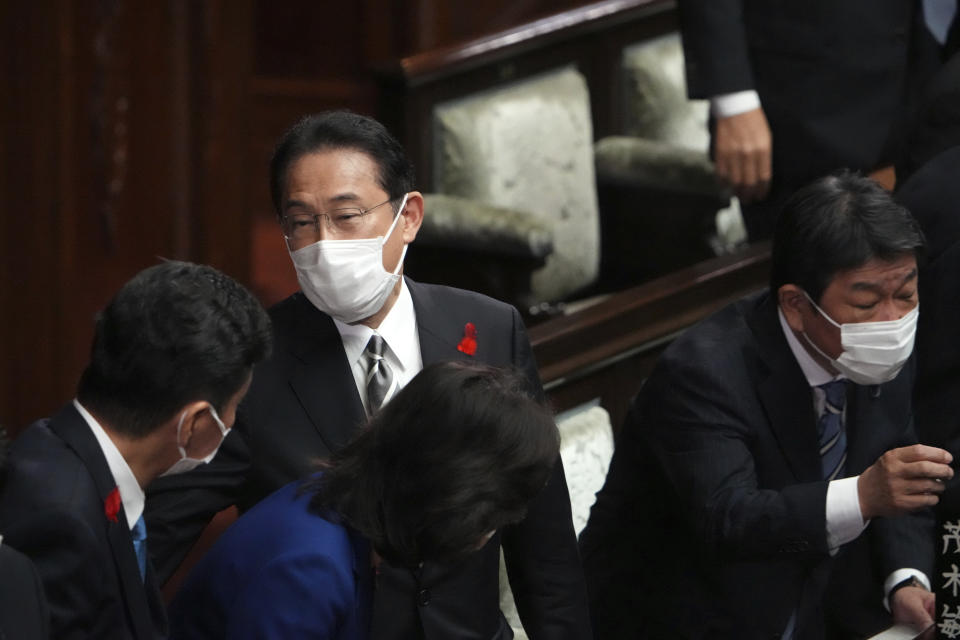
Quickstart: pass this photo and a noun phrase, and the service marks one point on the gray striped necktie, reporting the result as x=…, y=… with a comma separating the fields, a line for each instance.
x=379, y=375
x=831, y=435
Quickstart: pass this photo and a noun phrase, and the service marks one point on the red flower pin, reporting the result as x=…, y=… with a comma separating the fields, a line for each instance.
x=111, y=506
x=468, y=344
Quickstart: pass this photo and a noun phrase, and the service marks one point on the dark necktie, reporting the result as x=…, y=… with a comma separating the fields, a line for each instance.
x=830, y=432
x=139, y=535
x=379, y=375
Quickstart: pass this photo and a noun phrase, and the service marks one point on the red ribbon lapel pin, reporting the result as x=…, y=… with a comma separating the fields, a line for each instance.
x=468, y=344
x=111, y=506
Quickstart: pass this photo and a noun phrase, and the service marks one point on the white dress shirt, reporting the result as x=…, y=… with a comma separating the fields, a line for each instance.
x=844, y=519
x=131, y=494
x=939, y=16
x=733, y=104
x=402, y=352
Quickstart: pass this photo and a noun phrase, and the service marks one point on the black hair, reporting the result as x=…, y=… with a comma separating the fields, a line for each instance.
x=176, y=333
x=457, y=453
x=837, y=223
x=341, y=130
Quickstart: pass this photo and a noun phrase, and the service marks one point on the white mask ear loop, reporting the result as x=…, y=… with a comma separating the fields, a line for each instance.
x=396, y=217
x=180, y=447
x=403, y=254
x=822, y=312
x=216, y=418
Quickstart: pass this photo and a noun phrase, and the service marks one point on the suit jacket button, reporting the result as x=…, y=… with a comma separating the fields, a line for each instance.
x=423, y=598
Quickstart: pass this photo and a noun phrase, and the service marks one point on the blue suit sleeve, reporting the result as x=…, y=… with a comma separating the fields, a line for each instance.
x=302, y=594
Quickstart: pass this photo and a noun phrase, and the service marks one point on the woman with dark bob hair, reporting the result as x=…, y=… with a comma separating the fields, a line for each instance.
x=456, y=455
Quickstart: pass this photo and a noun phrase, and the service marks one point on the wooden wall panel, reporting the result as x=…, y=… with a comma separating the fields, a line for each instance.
x=29, y=210
x=123, y=143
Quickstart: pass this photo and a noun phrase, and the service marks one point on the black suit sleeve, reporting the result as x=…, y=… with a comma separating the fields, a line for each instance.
x=73, y=567
x=703, y=446
x=179, y=507
x=23, y=607
x=715, y=47
x=541, y=552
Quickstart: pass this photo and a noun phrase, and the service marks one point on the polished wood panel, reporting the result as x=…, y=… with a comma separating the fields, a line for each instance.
x=123, y=134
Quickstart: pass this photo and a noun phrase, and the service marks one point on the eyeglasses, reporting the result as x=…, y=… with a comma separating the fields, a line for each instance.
x=304, y=228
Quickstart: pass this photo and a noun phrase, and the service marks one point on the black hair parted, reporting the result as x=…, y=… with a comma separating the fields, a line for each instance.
x=177, y=332
x=837, y=223
x=341, y=130
x=459, y=452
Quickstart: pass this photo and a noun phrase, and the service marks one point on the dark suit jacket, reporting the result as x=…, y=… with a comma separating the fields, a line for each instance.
x=23, y=607
x=935, y=126
x=52, y=509
x=831, y=75
x=281, y=571
x=712, y=517
x=303, y=404
x=932, y=194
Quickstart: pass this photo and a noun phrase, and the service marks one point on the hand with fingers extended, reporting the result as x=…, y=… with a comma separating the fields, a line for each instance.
x=742, y=154
x=903, y=480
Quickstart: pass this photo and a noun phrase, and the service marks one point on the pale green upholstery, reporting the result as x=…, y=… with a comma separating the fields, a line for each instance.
x=656, y=94
x=651, y=163
x=668, y=137
x=461, y=223
x=586, y=448
x=528, y=146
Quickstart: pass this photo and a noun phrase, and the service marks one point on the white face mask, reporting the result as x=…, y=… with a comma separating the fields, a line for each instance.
x=186, y=463
x=346, y=278
x=873, y=352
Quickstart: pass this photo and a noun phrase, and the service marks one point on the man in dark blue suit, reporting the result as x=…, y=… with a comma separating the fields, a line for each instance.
x=172, y=356
x=766, y=484
x=358, y=331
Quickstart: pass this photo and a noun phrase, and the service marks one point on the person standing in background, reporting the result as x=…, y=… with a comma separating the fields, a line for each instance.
x=797, y=90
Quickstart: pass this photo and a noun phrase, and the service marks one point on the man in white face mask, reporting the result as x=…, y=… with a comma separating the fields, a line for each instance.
x=172, y=356
x=355, y=334
x=776, y=441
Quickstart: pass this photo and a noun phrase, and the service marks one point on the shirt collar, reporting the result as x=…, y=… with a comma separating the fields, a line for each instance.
x=397, y=329
x=815, y=374
x=131, y=494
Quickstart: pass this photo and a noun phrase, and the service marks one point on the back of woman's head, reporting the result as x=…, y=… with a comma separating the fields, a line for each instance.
x=456, y=454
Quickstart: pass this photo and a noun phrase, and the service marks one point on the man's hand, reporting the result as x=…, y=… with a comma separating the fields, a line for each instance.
x=903, y=480
x=913, y=606
x=742, y=147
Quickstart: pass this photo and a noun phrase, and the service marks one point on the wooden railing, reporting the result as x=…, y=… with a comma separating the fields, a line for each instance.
x=606, y=350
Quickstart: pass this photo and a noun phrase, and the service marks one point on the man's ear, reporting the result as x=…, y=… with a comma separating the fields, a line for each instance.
x=412, y=216
x=193, y=414
x=794, y=305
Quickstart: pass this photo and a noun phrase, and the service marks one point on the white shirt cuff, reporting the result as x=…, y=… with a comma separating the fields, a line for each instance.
x=844, y=520
x=732, y=104
x=898, y=576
